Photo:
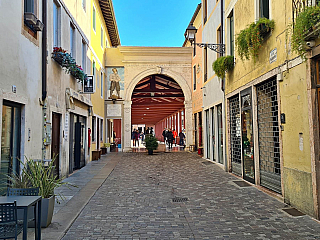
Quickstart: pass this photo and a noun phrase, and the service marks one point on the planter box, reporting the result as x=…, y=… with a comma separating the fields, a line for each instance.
x=313, y=33
x=104, y=150
x=264, y=30
x=47, y=207
x=30, y=18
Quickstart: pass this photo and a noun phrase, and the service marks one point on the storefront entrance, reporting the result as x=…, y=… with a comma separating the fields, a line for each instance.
x=247, y=135
x=10, y=141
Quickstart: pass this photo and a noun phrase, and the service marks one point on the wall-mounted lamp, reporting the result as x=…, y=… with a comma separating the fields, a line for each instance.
x=190, y=35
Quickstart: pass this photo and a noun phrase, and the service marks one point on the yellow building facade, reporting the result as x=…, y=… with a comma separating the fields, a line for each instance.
x=270, y=108
x=104, y=34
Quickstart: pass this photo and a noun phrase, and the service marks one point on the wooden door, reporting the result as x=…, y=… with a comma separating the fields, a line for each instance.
x=55, y=143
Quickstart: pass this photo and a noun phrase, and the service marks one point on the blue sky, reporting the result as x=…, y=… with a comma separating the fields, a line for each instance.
x=157, y=23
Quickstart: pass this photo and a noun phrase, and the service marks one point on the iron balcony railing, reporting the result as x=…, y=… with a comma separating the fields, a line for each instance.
x=300, y=5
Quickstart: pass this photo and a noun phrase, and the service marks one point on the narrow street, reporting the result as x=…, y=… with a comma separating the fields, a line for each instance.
x=136, y=202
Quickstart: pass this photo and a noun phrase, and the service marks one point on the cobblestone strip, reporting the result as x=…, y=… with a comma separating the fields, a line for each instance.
x=89, y=180
x=135, y=202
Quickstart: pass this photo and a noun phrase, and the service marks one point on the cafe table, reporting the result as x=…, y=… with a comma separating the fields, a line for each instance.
x=26, y=202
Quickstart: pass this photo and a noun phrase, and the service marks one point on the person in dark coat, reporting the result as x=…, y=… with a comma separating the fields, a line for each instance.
x=182, y=137
x=164, y=134
x=170, y=138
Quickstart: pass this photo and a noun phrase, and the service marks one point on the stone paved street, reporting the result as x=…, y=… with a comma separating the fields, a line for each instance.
x=135, y=202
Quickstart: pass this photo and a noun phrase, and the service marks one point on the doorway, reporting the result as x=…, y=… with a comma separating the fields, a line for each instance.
x=10, y=142
x=247, y=136
x=208, y=134
x=55, y=144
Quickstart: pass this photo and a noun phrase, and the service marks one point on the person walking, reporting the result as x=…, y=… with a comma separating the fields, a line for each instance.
x=164, y=134
x=133, y=137
x=182, y=137
x=175, y=135
x=137, y=135
x=170, y=138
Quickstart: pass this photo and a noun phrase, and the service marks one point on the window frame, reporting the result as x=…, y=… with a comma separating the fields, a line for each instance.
x=195, y=77
x=231, y=33
x=84, y=55
x=93, y=130
x=56, y=22
x=72, y=40
x=101, y=84
x=94, y=74
x=205, y=64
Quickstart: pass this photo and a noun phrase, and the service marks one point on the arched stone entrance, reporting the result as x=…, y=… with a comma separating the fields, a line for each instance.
x=141, y=62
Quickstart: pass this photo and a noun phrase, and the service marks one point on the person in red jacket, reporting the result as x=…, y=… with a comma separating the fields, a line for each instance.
x=175, y=135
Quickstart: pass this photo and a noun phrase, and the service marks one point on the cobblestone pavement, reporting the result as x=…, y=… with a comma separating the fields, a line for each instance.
x=135, y=202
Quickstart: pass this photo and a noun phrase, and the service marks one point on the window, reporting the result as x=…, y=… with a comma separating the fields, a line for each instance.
x=29, y=6
x=56, y=30
x=205, y=57
x=231, y=33
x=94, y=19
x=84, y=4
x=204, y=11
x=264, y=8
x=93, y=133
x=94, y=74
x=101, y=84
x=194, y=47
x=194, y=77
x=72, y=48
x=219, y=39
x=101, y=37
x=84, y=55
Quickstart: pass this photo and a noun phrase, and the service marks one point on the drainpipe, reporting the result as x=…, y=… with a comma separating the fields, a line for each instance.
x=44, y=77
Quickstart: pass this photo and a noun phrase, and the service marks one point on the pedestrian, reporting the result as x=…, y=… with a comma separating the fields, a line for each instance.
x=137, y=136
x=142, y=136
x=164, y=134
x=133, y=136
x=148, y=131
x=151, y=130
x=170, y=138
x=175, y=135
x=182, y=137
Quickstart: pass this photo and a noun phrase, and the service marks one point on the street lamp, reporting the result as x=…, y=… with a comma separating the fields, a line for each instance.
x=190, y=35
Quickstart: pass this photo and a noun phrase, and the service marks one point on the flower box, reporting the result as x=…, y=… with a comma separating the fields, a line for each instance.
x=30, y=18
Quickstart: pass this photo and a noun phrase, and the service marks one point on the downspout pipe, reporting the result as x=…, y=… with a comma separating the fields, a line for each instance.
x=44, y=50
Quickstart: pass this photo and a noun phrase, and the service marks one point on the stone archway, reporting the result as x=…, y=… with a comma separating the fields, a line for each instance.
x=185, y=86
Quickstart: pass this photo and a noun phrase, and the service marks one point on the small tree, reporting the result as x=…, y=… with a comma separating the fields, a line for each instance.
x=151, y=142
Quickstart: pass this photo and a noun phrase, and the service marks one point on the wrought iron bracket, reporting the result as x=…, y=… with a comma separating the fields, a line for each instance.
x=219, y=48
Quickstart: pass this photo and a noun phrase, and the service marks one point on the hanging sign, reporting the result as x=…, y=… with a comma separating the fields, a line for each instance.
x=88, y=85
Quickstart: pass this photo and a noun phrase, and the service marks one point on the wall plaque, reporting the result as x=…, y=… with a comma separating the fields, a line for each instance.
x=114, y=110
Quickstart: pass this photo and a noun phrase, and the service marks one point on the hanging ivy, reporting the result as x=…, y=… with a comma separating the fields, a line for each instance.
x=222, y=65
x=249, y=40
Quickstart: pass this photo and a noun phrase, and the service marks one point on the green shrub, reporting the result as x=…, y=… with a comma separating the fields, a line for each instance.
x=305, y=22
x=151, y=142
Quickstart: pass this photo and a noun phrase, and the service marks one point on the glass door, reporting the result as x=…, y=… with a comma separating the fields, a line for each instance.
x=213, y=134
x=247, y=136
x=10, y=142
x=208, y=133
x=220, y=133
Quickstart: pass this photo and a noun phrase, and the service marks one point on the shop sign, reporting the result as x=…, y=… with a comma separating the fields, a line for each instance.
x=66, y=126
x=88, y=85
x=114, y=110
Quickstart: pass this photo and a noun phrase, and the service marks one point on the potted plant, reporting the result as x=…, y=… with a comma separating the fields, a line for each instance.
x=306, y=28
x=151, y=143
x=104, y=148
x=35, y=174
x=249, y=40
x=223, y=64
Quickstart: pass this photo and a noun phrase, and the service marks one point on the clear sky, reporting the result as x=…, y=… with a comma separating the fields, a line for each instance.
x=156, y=23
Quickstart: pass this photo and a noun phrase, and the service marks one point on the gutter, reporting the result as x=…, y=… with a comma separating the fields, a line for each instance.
x=44, y=50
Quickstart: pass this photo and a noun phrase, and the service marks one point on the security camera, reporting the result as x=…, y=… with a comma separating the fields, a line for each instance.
x=310, y=44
